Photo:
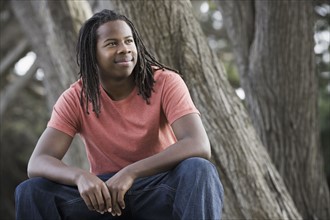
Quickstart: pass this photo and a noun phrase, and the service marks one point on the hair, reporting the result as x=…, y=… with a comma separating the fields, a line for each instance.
x=88, y=69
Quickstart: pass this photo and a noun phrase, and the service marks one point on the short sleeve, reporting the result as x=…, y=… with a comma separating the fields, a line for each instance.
x=65, y=114
x=176, y=100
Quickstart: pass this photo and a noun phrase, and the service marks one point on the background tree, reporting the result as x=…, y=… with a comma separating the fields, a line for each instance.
x=254, y=189
x=52, y=28
x=15, y=141
x=274, y=47
x=26, y=114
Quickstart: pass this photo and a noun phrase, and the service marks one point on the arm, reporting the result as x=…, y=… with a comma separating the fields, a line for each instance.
x=46, y=162
x=46, y=158
x=192, y=142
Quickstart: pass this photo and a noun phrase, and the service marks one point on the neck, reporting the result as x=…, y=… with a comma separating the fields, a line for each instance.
x=118, y=90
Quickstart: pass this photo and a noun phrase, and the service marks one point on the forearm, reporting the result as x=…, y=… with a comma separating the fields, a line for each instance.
x=53, y=169
x=169, y=158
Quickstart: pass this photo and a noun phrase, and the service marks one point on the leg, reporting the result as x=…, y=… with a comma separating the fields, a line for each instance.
x=39, y=198
x=199, y=193
x=190, y=191
x=150, y=199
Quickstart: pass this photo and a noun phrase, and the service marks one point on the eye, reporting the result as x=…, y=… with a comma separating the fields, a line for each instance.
x=129, y=41
x=111, y=44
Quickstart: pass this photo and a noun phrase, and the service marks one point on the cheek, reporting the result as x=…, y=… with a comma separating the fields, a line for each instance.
x=134, y=50
x=104, y=57
x=98, y=56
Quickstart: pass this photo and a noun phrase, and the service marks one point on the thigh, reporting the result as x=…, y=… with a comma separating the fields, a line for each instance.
x=151, y=198
x=74, y=207
x=51, y=198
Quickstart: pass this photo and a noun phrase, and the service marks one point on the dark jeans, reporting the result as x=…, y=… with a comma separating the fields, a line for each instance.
x=192, y=190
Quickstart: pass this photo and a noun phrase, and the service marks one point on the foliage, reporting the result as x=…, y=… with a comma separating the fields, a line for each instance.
x=322, y=37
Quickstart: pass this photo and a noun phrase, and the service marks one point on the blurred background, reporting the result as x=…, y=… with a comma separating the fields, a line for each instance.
x=24, y=109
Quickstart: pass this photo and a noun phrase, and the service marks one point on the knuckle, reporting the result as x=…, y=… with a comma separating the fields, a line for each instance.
x=121, y=188
x=117, y=209
x=95, y=187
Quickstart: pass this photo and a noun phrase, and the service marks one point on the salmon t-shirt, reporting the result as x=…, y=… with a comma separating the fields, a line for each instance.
x=127, y=130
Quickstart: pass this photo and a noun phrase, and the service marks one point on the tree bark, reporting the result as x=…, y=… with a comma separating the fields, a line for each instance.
x=13, y=56
x=273, y=43
x=98, y=6
x=253, y=187
x=52, y=27
x=10, y=92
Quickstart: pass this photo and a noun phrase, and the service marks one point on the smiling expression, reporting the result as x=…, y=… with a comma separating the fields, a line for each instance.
x=116, y=51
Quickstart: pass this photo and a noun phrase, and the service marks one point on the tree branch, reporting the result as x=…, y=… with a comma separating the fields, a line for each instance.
x=13, y=56
x=11, y=91
x=239, y=22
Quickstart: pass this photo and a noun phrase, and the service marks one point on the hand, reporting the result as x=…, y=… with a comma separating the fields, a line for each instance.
x=94, y=192
x=118, y=185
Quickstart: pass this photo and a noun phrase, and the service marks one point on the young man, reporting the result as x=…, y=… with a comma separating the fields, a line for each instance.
x=144, y=138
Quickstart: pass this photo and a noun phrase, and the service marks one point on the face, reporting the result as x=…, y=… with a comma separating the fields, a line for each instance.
x=116, y=51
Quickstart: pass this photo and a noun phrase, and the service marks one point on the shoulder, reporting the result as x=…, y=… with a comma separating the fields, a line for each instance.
x=74, y=90
x=70, y=96
x=75, y=87
x=163, y=75
x=66, y=114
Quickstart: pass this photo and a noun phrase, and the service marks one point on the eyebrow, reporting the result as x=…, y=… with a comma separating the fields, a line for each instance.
x=113, y=39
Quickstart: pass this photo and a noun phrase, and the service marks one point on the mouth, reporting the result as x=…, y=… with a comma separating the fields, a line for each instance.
x=124, y=60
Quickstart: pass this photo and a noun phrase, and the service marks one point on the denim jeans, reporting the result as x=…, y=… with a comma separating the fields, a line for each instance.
x=192, y=190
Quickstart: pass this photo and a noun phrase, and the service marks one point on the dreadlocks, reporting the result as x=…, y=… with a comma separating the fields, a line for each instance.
x=86, y=60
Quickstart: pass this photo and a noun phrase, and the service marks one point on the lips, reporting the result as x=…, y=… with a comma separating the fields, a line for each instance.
x=124, y=60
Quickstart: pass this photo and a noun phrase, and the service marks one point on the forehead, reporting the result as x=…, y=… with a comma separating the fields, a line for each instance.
x=114, y=29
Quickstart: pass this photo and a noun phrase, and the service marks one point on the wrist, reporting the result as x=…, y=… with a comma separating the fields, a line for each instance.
x=131, y=171
x=77, y=176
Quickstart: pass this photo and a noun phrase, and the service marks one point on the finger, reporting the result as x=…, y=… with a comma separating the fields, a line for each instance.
x=94, y=202
x=100, y=201
x=120, y=199
x=115, y=208
x=107, y=198
x=87, y=202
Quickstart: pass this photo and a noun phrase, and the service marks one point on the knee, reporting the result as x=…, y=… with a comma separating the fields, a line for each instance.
x=198, y=165
x=202, y=171
x=29, y=186
x=23, y=187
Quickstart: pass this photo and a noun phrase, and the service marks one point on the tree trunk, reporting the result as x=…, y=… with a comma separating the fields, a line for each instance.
x=98, y=6
x=52, y=27
x=9, y=93
x=253, y=187
x=273, y=43
x=13, y=56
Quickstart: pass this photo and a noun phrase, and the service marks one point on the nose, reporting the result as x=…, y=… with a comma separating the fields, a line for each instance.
x=124, y=48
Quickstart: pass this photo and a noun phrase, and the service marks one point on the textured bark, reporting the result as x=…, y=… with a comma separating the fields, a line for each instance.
x=13, y=56
x=52, y=27
x=97, y=5
x=273, y=43
x=253, y=187
x=9, y=93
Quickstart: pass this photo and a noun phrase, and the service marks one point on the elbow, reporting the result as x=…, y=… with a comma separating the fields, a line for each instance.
x=207, y=155
x=205, y=149
x=30, y=175
x=31, y=169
